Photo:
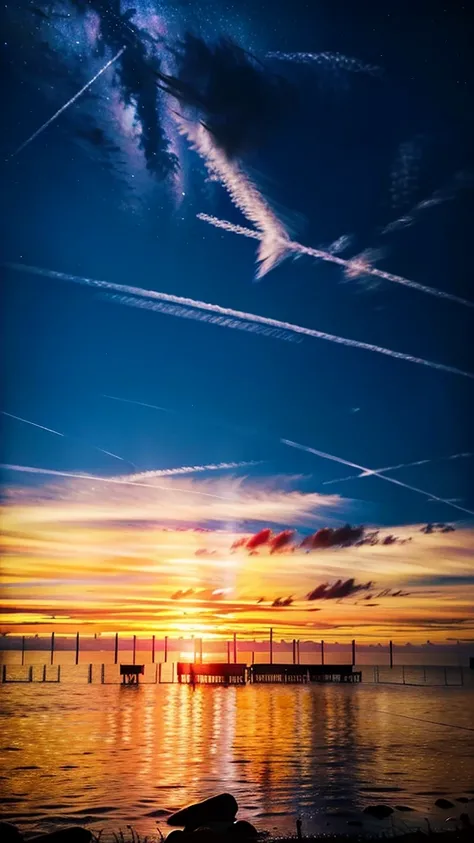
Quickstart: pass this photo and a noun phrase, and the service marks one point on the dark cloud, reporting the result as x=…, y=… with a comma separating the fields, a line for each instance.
x=136, y=71
x=262, y=537
x=329, y=537
x=338, y=590
x=231, y=93
x=281, y=540
x=281, y=602
x=179, y=594
x=437, y=528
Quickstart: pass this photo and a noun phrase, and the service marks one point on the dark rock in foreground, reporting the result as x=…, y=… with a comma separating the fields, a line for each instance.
x=444, y=803
x=9, y=833
x=217, y=809
x=380, y=812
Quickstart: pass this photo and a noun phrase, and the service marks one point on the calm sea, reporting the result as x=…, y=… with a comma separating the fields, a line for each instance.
x=110, y=756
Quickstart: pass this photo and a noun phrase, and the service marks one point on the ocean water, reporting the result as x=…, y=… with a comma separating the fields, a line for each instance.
x=108, y=756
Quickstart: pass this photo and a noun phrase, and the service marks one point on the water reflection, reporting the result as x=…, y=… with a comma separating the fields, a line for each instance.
x=114, y=756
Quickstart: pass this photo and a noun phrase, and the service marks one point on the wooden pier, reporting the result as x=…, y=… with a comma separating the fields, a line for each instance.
x=301, y=673
x=212, y=673
x=131, y=673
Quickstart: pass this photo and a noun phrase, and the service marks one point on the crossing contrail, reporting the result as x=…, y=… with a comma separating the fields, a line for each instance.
x=236, y=314
x=243, y=193
x=395, y=468
x=375, y=473
x=351, y=267
x=66, y=105
x=28, y=469
x=64, y=435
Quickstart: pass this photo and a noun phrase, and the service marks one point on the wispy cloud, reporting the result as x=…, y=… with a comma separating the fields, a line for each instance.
x=236, y=315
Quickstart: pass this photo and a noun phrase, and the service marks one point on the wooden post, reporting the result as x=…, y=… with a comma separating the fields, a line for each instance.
x=52, y=647
x=4, y=673
x=44, y=673
x=116, y=648
x=159, y=673
x=59, y=673
x=271, y=645
x=153, y=649
x=391, y=653
x=90, y=675
x=102, y=674
x=77, y=648
x=298, y=651
x=353, y=653
x=228, y=652
x=322, y=652
x=294, y=650
x=166, y=649
x=30, y=674
x=235, y=648
x=134, y=649
x=253, y=656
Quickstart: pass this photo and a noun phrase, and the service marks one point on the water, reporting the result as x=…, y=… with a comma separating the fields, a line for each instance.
x=110, y=756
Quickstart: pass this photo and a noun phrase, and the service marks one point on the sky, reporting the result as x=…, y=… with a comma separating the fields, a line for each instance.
x=236, y=319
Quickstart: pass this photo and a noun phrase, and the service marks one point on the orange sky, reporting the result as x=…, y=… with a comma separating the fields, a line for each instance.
x=76, y=557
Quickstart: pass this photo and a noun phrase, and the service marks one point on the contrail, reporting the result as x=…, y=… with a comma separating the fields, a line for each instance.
x=351, y=267
x=375, y=472
x=394, y=468
x=185, y=469
x=335, y=60
x=243, y=193
x=64, y=435
x=236, y=314
x=28, y=469
x=33, y=424
x=140, y=403
x=199, y=316
x=66, y=105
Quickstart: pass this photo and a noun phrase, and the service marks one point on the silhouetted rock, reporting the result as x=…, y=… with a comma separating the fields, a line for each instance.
x=243, y=830
x=10, y=834
x=176, y=836
x=217, y=809
x=465, y=821
x=380, y=812
x=403, y=808
x=462, y=799
x=205, y=835
x=444, y=803
x=75, y=834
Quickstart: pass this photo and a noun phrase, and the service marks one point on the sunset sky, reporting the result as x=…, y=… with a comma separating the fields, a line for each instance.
x=169, y=467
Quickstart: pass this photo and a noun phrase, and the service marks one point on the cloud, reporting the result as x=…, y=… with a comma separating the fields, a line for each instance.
x=178, y=595
x=281, y=540
x=428, y=529
x=281, y=602
x=237, y=98
x=339, y=590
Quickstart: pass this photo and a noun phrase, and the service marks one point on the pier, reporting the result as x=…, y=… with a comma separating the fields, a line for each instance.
x=216, y=673
x=301, y=673
x=131, y=673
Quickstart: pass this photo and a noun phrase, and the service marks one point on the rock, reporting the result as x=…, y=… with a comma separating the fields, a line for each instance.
x=205, y=835
x=243, y=830
x=75, y=834
x=217, y=809
x=9, y=833
x=176, y=836
x=380, y=812
x=444, y=803
x=465, y=821
x=354, y=822
x=462, y=799
x=403, y=808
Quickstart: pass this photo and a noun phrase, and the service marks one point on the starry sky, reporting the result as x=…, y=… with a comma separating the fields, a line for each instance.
x=170, y=466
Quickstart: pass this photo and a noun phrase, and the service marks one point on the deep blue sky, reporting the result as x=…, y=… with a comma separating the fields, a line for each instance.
x=67, y=207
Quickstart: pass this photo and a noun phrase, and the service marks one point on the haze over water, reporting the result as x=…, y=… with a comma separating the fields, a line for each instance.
x=112, y=757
